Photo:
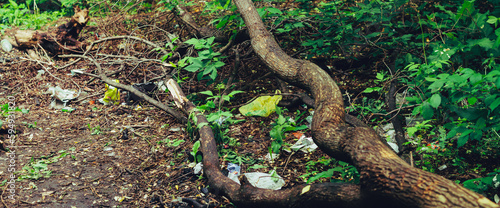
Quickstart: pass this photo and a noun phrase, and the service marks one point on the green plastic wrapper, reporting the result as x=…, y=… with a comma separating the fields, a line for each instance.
x=262, y=106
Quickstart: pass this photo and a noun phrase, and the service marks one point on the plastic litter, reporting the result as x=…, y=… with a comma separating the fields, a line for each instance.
x=40, y=73
x=265, y=180
x=68, y=109
x=442, y=167
x=234, y=172
x=198, y=168
x=262, y=106
x=161, y=86
x=304, y=144
x=271, y=157
x=147, y=88
x=6, y=46
x=111, y=96
x=75, y=72
x=394, y=146
x=61, y=94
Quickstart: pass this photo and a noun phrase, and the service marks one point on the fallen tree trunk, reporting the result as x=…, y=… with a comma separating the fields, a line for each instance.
x=57, y=41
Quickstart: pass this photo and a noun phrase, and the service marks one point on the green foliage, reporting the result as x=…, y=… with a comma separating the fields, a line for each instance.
x=96, y=130
x=36, y=169
x=14, y=14
x=341, y=171
x=485, y=184
x=282, y=125
x=171, y=143
x=5, y=111
x=207, y=61
x=194, y=152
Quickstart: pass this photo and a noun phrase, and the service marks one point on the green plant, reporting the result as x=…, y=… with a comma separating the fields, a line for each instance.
x=485, y=185
x=207, y=62
x=171, y=143
x=14, y=14
x=31, y=126
x=194, y=152
x=94, y=130
x=342, y=171
x=282, y=124
x=36, y=169
x=5, y=111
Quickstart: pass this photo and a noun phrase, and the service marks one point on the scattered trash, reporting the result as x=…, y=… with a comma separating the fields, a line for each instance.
x=265, y=180
x=304, y=144
x=262, y=106
x=147, y=88
x=75, y=72
x=68, y=109
x=62, y=95
x=271, y=157
x=6, y=46
x=175, y=129
x=234, y=172
x=198, y=168
x=161, y=86
x=108, y=148
x=394, y=146
x=112, y=95
x=204, y=190
x=442, y=167
x=309, y=119
x=124, y=134
x=55, y=104
x=112, y=154
x=40, y=73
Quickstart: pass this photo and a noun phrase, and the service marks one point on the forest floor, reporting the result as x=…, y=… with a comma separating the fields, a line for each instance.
x=84, y=158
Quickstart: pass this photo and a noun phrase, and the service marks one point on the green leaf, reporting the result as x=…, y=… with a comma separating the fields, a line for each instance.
x=462, y=140
x=492, y=20
x=435, y=86
x=427, y=111
x=372, y=89
x=324, y=174
x=210, y=41
x=177, y=142
x=435, y=100
x=476, y=78
x=231, y=94
x=196, y=146
x=472, y=100
x=495, y=104
x=191, y=68
x=380, y=76
x=209, y=93
x=485, y=43
x=193, y=41
x=274, y=11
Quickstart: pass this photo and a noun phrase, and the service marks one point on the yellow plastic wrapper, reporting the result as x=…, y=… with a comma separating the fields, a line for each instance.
x=112, y=95
x=262, y=106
